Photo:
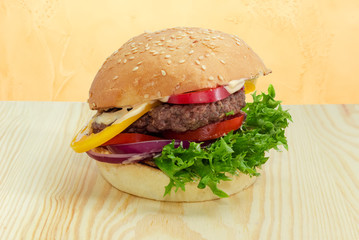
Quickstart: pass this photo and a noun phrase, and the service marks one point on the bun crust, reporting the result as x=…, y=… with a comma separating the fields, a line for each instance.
x=172, y=61
x=148, y=182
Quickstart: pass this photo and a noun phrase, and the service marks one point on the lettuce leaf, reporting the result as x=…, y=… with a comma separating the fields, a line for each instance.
x=240, y=151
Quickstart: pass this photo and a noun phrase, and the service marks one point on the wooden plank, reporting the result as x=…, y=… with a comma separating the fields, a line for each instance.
x=49, y=192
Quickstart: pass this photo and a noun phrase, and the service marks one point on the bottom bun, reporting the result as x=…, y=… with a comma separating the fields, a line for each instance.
x=148, y=182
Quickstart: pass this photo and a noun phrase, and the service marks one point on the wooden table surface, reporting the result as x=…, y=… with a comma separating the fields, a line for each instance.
x=49, y=192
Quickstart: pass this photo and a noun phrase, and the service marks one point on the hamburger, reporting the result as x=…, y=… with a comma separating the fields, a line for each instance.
x=172, y=123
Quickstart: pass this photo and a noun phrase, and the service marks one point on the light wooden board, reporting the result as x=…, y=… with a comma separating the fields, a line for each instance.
x=49, y=192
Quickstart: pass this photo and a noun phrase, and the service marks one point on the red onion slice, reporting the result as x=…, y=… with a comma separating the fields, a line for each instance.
x=153, y=146
x=135, y=152
x=120, y=158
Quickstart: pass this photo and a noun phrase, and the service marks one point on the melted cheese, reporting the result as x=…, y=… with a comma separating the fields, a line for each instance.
x=164, y=99
x=116, y=117
x=234, y=85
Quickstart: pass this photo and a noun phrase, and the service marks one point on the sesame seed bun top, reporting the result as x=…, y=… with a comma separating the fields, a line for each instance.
x=172, y=61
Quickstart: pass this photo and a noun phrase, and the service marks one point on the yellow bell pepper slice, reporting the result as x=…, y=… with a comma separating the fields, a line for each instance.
x=83, y=142
x=250, y=86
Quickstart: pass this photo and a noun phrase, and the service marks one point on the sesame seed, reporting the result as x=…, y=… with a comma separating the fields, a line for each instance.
x=160, y=44
x=152, y=51
x=133, y=44
x=125, y=61
x=200, y=57
x=171, y=49
x=156, y=41
x=162, y=52
x=207, y=39
x=172, y=36
x=119, y=60
x=155, y=53
x=115, y=77
x=211, y=78
x=190, y=52
x=162, y=38
x=238, y=43
x=163, y=72
x=147, y=48
x=131, y=58
x=94, y=104
x=146, y=95
x=207, y=55
x=147, y=45
x=158, y=94
x=181, y=61
x=197, y=62
x=220, y=77
x=139, y=63
x=221, y=37
x=203, y=67
x=167, y=56
x=135, y=69
x=126, y=54
x=179, y=37
x=169, y=62
x=222, y=61
x=214, y=37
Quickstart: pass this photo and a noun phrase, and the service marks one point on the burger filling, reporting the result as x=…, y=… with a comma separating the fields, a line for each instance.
x=181, y=117
x=235, y=145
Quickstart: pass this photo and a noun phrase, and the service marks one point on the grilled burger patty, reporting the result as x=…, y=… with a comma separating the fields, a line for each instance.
x=183, y=117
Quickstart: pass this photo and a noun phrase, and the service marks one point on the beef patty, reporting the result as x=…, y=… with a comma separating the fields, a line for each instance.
x=183, y=117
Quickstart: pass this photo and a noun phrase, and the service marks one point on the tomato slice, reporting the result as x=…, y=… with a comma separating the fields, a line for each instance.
x=130, y=138
x=208, y=132
x=204, y=96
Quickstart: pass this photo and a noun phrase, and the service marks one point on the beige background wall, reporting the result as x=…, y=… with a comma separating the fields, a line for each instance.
x=51, y=49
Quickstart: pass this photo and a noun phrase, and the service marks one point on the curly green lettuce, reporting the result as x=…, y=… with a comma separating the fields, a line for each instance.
x=240, y=151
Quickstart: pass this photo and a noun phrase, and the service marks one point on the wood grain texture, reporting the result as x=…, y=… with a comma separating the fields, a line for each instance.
x=49, y=192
